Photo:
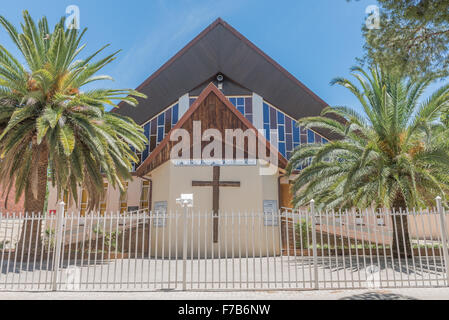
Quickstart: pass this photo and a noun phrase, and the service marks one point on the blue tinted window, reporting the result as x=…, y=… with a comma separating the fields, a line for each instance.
x=267, y=131
x=266, y=113
x=281, y=132
x=160, y=134
x=240, y=101
x=242, y=110
x=325, y=141
x=175, y=117
x=282, y=148
x=310, y=136
x=147, y=130
x=233, y=101
x=161, y=120
x=281, y=118
x=145, y=154
x=296, y=135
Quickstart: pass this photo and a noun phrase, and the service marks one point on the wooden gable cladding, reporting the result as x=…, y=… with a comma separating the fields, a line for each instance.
x=214, y=111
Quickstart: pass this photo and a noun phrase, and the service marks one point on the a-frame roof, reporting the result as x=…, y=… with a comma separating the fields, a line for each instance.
x=222, y=49
x=215, y=111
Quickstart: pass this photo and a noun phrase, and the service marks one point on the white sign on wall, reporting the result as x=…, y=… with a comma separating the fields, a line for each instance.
x=270, y=213
x=160, y=214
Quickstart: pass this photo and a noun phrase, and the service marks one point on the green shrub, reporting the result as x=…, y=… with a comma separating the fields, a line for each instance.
x=303, y=234
x=3, y=244
x=50, y=237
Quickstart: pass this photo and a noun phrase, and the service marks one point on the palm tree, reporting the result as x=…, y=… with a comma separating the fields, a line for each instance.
x=52, y=130
x=395, y=155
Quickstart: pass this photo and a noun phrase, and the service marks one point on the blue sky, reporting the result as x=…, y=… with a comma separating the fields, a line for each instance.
x=316, y=40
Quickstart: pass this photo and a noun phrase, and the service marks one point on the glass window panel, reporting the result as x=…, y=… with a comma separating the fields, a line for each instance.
x=303, y=139
x=273, y=118
x=289, y=142
x=288, y=125
x=282, y=148
x=233, y=101
x=240, y=101
x=281, y=133
x=266, y=113
x=152, y=143
x=161, y=120
x=317, y=138
x=296, y=135
x=160, y=134
x=124, y=199
x=267, y=131
x=310, y=136
x=168, y=121
x=84, y=203
x=250, y=118
x=145, y=195
x=248, y=105
x=241, y=109
x=175, y=114
x=153, y=128
x=281, y=118
x=145, y=153
x=147, y=130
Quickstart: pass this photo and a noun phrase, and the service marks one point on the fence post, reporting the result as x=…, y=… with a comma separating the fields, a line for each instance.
x=315, y=249
x=58, y=244
x=184, y=252
x=443, y=236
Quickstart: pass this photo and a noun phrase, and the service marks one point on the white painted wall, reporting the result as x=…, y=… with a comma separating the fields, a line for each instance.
x=169, y=182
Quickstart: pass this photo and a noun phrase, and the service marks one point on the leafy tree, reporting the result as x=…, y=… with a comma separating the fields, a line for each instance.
x=52, y=130
x=394, y=155
x=413, y=37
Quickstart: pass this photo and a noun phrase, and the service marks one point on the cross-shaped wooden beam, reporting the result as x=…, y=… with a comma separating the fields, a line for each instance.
x=216, y=184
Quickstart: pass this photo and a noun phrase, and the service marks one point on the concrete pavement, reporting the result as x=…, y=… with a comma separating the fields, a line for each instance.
x=384, y=294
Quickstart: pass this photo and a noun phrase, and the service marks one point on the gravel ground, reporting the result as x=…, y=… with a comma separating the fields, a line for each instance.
x=393, y=294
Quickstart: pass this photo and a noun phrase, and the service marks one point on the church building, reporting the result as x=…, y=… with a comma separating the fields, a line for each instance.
x=218, y=82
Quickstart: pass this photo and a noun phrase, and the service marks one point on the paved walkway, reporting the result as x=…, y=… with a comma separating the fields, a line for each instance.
x=390, y=294
x=253, y=273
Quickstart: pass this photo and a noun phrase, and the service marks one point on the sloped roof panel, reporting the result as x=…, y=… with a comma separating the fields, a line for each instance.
x=221, y=49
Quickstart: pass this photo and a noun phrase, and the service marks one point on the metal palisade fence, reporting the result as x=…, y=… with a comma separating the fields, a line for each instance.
x=190, y=250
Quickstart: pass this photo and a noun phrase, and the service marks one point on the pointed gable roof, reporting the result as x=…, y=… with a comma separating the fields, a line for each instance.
x=213, y=108
x=222, y=49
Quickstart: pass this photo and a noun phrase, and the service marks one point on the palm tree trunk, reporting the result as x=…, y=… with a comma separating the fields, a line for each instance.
x=401, y=236
x=30, y=237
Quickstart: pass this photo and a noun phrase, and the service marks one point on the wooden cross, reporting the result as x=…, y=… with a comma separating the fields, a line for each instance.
x=216, y=184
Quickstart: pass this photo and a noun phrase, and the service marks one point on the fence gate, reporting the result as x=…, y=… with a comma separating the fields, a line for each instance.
x=290, y=249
